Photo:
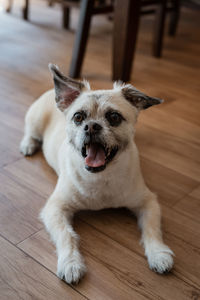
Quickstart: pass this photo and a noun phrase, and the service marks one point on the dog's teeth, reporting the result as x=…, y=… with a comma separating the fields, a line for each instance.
x=86, y=149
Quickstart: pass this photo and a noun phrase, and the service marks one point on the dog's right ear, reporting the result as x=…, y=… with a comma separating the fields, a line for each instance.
x=66, y=89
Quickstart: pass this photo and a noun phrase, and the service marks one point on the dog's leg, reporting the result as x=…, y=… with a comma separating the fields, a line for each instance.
x=57, y=216
x=32, y=132
x=29, y=145
x=158, y=254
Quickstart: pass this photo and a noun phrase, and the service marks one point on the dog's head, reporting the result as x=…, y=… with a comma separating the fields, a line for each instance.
x=100, y=124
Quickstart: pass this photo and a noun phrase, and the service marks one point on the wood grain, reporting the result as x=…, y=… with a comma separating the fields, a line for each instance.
x=135, y=280
x=168, y=184
x=190, y=205
x=168, y=137
x=161, y=147
x=19, y=210
x=99, y=283
x=40, y=178
x=23, y=278
x=120, y=225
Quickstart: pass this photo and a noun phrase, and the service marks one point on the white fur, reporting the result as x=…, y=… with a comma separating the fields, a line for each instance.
x=120, y=184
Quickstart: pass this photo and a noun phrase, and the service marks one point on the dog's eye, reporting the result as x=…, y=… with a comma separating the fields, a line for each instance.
x=79, y=117
x=114, y=118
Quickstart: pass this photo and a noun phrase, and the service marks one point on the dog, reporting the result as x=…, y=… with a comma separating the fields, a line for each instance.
x=87, y=137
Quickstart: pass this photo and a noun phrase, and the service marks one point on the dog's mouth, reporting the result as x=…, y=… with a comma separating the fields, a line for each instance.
x=97, y=156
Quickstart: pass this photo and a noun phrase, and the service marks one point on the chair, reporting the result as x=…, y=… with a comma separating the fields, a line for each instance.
x=126, y=23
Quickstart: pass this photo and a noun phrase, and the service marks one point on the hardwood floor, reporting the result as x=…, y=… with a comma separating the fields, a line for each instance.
x=168, y=138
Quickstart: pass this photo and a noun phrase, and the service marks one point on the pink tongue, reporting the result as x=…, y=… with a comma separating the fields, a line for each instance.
x=96, y=156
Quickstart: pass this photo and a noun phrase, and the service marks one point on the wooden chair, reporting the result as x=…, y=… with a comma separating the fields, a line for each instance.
x=65, y=9
x=126, y=23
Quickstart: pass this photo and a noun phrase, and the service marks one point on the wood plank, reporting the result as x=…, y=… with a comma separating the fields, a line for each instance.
x=99, y=283
x=174, y=224
x=190, y=205
x=196, y=192
x=181, y=226
x=99, y=247
x=120, y=225
x=23, y=278
x=40, y=178
x=19, y=210
x=168, y=151
x=168, y=184
x=187, y=109
x=176, y=126
x=15, y=118
x=9, y=144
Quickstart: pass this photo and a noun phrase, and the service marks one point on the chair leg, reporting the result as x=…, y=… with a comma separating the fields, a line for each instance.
x=159, y=28
x=174, y=18
x=9, y=6
x=66, y=17
x=25, y=10
x=126, y=24
x=50, y=3
x=82, y=33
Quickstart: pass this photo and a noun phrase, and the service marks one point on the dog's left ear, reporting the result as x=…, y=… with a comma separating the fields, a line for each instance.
x=66, y=89
x=139, y=99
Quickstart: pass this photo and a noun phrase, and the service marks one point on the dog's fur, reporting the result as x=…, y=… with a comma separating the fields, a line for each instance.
x=119, y=183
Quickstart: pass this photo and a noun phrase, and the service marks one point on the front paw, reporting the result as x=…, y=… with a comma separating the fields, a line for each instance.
x=71, y=269
x=160, y=259
x=29, y=146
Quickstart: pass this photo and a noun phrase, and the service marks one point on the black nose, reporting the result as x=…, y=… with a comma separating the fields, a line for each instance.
x=92, y=128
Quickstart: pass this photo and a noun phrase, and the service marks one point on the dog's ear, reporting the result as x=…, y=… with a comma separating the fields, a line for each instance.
x=66, y=89
x=139, y=99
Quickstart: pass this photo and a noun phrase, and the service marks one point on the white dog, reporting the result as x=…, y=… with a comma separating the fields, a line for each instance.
x=87, y=138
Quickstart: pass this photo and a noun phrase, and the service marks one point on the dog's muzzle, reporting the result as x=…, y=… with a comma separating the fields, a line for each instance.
x=97, y=154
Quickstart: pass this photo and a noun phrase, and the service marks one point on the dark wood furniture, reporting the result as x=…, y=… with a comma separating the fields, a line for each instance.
x=174, y=16
x=126, y=23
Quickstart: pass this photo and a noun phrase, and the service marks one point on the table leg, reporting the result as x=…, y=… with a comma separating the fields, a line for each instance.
x=25, y=10
x=126, y=24
x=159, y=27
x=81, y=38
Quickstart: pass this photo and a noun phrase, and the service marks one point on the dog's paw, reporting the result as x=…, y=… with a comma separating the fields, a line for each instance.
x=28, y=146
x=71, y=269
x=160, y=259
x=161, y=262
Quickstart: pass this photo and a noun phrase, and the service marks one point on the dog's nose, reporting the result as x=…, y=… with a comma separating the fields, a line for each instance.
x=92, y=127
